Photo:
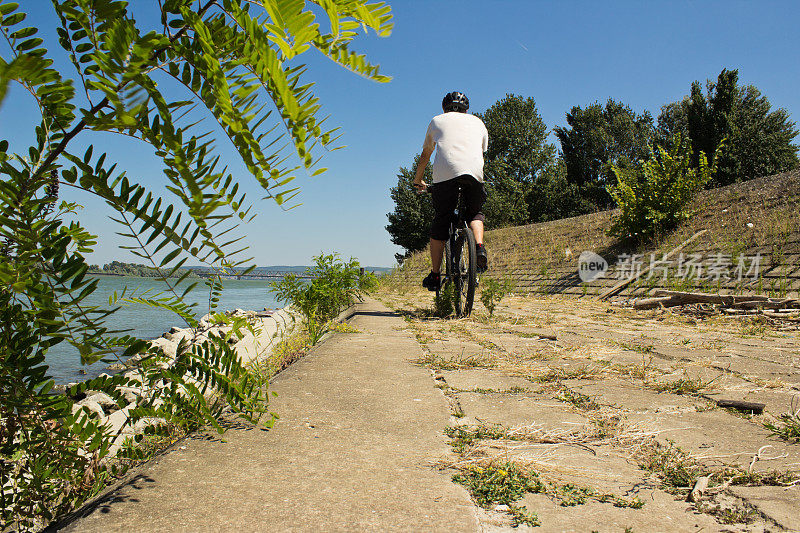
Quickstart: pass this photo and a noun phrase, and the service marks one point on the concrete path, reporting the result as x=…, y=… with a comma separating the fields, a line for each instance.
x=360, y=428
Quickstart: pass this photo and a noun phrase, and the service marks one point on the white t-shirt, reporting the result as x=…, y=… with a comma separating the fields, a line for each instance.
x=460, y=140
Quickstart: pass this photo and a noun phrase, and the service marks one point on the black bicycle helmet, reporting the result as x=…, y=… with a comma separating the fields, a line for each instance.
x=455, y=101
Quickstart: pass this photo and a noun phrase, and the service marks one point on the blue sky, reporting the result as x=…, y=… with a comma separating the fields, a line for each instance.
x=566, y=53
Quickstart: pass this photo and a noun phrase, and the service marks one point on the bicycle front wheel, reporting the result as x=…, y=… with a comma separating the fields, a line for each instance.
x=465, y=275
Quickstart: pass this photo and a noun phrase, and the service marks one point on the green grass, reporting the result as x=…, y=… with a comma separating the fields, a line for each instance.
x=736, y=516
x=578, y=400
x=682, y=386
x=728, y=516
x=787, y=427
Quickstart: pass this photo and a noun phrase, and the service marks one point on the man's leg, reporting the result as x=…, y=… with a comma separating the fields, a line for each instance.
x=477, y=230
x=437, y=251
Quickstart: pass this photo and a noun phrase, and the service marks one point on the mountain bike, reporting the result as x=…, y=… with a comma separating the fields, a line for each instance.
x=460, y=261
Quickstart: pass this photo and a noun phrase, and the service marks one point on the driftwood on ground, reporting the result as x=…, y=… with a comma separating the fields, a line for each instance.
x=664, y=298
x=741, y=405
x=700, y=486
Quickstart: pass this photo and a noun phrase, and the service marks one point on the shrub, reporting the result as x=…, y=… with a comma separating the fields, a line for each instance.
x=334, y=286
x=493, y=291
x=653, y=195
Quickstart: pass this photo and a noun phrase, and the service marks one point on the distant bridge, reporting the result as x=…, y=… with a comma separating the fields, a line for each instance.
x=272, y=274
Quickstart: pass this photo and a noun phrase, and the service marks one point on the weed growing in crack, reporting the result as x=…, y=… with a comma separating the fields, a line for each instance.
x=754, y=326
x=505, y=482
x=788, y=425
x=559, y=374
x=467, y=332
x=682, y=386
x=606, y=427
x=570, y=495
x=728, y=515
x=773, y=478
x=464, y=437
x=578, y=400
x=443, y=303
x=676, y=469
x=493, y=291
x=501, y=483
x=480, y=390
x=521, y=516
x=637, y=346
x=437, y=362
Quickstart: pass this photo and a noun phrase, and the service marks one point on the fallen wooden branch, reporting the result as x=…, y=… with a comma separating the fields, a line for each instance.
x=652, y=303
x=740, y=405
x=770, y=304
x=665, y=298
x=700, y=486
x=781, y=317
x=705, y=298
x=740, y=312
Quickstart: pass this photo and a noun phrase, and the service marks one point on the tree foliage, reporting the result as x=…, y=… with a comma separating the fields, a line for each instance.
x=409, y=223
x=598, y=137
x=759, y=139
x=517, y=159
x=237, y=64
x=652, y=195
x=119, y=268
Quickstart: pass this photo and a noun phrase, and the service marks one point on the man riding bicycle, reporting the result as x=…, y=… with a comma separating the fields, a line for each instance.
x=460, y=139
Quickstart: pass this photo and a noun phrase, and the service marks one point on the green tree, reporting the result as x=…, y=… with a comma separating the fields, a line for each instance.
x=410, y=222
x=230, y=60
x=517, y=159
x=553, y=197
x=598, y=137
x=758, y=139
x=672, y=120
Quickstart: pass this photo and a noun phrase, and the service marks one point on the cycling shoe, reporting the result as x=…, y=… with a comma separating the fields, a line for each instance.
x=432, y=281
x=482, y=261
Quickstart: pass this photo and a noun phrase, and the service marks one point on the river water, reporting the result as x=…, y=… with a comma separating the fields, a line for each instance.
x=147, y=322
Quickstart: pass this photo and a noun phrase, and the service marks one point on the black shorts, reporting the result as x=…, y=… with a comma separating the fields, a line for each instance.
x=445, y=196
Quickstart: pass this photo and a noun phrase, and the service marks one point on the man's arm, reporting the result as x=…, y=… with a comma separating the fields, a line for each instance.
x=421, y=165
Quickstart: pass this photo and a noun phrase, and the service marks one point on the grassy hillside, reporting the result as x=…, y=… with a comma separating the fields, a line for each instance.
x=761, y=216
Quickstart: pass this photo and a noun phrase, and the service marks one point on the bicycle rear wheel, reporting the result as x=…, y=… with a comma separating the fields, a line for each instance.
x=465, y=275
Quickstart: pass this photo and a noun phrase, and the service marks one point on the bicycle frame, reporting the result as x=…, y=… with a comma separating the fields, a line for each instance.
x=460, y=257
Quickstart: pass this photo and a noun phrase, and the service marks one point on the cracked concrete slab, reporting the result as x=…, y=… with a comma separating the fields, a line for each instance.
x=524, y=409
x=780, y=504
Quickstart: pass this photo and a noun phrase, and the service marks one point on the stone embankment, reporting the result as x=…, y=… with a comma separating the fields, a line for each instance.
x=269, y=327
